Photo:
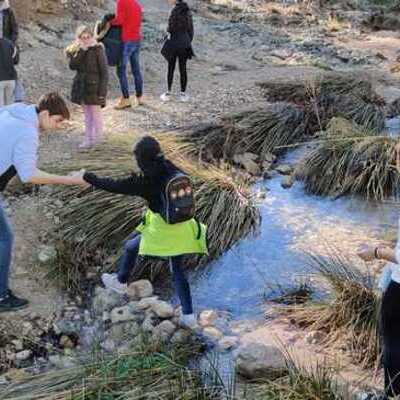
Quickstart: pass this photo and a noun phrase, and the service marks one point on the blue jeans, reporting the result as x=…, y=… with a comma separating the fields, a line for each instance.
x=128, y=262
x=130, y=52
x=6, y=244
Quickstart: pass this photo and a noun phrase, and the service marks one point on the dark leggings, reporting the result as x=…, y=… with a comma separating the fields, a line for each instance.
x=127, y=264
x=182, y=71
x=390, y=325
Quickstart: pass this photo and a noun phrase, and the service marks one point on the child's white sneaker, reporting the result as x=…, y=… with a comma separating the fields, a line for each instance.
x=165, y=96
x=188, y=321
x=111, y=282
x=184, y=97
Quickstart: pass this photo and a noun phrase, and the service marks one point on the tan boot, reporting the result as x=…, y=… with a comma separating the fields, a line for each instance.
x=123, y=103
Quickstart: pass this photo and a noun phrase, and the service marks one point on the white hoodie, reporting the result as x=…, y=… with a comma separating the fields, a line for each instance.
x=5, y=5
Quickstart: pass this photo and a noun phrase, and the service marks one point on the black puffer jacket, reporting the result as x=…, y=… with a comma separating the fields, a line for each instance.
x=8, y=58
x=91, y=80
x=10, y=26
x=180, y=27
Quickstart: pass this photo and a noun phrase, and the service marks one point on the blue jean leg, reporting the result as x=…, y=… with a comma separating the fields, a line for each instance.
x=181, y=284
x=128, y=260
x=130, y=53
x=6, y=244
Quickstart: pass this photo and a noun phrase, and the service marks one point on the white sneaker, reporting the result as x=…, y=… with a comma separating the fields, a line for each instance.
x=165, y=96
x=188, y=321
x=111, y=282
x=184, y=97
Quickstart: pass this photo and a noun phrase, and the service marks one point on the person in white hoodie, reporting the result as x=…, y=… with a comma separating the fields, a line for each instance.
x=389, y=284
x=21, y=127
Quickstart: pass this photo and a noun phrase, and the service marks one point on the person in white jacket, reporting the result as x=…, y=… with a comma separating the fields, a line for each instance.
x=21, y=127
x=390, y=309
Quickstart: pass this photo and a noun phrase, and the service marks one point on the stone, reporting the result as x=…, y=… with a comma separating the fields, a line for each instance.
x=140, y=289
x=108, y=345
x=212, y=333
x=269, y=158
x=284, y=169
x=63, y=362
x=315, y=337
x=146, y=303
x=256, y=360
x=47, y=254
x=181, y=336
x=123, y=331
x=23, y=355
x=287, y=181
x=67, y=326
x=164, y=331
x=207, y=317
x=106, y=300
x=228, y=342
x=66, y=342
x=162, y=309
x=149, y=322
x=122, y=314
x=247, y=161
x=18, y=344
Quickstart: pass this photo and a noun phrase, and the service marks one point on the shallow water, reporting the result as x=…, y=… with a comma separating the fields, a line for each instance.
x=292, y=223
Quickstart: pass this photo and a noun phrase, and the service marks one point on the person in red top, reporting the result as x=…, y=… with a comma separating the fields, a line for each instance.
x=129, y=17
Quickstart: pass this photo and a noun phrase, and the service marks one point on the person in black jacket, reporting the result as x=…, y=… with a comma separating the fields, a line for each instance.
x=153, y=173
x=8, y=22
x=8, y=74
x=178, y=46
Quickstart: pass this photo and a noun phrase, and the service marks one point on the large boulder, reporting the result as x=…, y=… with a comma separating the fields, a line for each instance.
x=256, y=360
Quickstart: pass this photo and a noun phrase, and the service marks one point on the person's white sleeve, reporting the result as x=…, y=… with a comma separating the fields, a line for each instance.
x=25, y=157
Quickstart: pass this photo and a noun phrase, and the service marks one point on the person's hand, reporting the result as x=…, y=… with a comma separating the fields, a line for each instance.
x=78, y=178
x=397, y=152
x=366, y=252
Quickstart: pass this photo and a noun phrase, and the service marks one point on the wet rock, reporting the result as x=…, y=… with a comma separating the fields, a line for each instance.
x=164, y=331
x=67, y=327
x=228, y=342
x=207, y=317
x=255, y=360
x=140, y=289
x=287, y=181
x=212, y=333
x=162, y=309
x=122, y=314
x=63, y=362
x=181, y=336
x=284, y=169
x=315, y=337
x=146, y=303
x=108, y=345
x=106, y=300
x=247, y=161
x=150, y=322
x=47, y=254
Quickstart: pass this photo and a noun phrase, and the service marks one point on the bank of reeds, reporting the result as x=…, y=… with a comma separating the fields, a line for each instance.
x=331, y=95
x=363, y=165
x=350, y=314
x=258, y=131
x=97, y=219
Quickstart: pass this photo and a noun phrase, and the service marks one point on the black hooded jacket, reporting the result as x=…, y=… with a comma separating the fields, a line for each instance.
x=180, y=27
x=8, y=58
x=10, y=26
x=149, y=186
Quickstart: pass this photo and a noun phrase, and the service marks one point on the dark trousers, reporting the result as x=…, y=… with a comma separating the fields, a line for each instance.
x=390, y=326
x=182, y=71
x=127, y=264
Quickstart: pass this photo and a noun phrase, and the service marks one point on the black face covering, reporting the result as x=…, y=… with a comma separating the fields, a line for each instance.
x=149, y=156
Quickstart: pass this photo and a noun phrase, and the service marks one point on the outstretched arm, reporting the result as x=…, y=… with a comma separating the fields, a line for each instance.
x=132, y=185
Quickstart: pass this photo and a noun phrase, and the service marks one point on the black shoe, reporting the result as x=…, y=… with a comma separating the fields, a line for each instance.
x=12, y=303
